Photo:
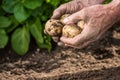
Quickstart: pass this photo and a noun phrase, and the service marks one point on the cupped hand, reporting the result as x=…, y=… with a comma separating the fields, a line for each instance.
x=73, y=6
x=98, y=19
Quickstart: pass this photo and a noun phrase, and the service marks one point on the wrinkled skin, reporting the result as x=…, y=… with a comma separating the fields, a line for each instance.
x=98, y=19
x=72, y=7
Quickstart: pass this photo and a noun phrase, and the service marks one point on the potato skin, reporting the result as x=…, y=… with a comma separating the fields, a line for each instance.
x=71, y=31
x=63, y=17
x=53, y=27
x=81, y=24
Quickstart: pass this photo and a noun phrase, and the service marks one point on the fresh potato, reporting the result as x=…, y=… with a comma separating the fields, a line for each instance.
x=81, y=24
x=53, y=27
x=63, y=17
x=71, y=31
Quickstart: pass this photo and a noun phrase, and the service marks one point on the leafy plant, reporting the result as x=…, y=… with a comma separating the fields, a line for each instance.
x=21, y=19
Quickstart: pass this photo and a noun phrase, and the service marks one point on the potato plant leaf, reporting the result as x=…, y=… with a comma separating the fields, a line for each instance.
x=36, y=31
x=55, y=2
x=3, y=38
x=2, y=12
x=20, y=13
x=4, y=22
x=31, y=4
x=47, y=43
x=20, y=40
x=8, y=5
x=14, y=24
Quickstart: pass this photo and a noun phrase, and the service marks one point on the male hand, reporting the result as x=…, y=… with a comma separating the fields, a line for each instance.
x=98, y=19
x=72, y=7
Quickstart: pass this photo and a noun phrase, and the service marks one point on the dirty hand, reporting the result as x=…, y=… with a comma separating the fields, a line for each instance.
x=73, y=6
x=98, y=19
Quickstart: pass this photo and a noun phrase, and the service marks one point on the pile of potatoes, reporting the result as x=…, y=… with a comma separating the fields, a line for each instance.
x=56, y=28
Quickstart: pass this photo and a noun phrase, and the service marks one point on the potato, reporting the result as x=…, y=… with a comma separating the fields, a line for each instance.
x=53, y=27
x=56, y=28
x=71, y=31
x=63, y=17
x=81, y=24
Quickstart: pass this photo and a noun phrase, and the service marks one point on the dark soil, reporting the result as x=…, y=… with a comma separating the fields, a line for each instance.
x=98, y=61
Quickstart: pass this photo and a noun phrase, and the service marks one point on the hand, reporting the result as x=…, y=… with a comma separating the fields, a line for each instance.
x=98, y=19
x=73, y=6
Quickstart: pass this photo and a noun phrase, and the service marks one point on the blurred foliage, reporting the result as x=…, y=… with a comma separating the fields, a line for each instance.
x=107, y=1
x=22, y=19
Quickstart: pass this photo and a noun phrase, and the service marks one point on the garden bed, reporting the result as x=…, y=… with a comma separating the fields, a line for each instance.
x=98, y=61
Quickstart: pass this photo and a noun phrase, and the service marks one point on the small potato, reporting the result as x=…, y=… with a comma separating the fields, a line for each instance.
x=53, y=27
x=56, y=29
x=71, y=31
x=63, y=17
x=81, y=24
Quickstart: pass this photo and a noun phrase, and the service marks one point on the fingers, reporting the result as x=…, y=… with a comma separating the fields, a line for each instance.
x=87, y=34
x=59, y=11
x=73, y=41
x=82, y=45
x=74, y=18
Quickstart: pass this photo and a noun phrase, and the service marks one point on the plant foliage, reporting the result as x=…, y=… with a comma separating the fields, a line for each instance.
x=22, y=19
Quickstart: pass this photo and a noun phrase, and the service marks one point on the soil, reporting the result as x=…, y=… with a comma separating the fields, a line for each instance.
x=98, y=61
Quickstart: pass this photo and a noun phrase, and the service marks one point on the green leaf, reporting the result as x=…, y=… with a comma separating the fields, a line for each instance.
x=4, y=22
x=36, y=31
x=2, y=12
x=107, y=1
x=20, y=41
x=54, y=2
x=31, y=4
x=3, y=38
x=20, y=13
x=8, y=5
x=47, y=43
x=47, y=46
x=14, y=24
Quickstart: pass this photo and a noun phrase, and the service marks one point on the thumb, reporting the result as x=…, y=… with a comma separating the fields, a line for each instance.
x=74, y=18
x=59, y=11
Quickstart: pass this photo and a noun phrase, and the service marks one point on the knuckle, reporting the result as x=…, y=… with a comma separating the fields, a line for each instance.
x=63, y=6
x=56, y=11
x=59, y=9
